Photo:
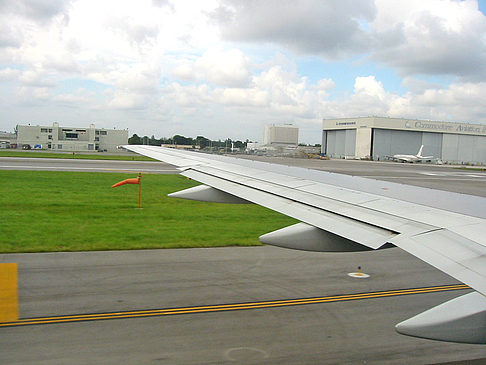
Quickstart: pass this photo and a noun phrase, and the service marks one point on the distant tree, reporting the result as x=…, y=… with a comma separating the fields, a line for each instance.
x=202, y=142
x=185, y=141
x=134, y=140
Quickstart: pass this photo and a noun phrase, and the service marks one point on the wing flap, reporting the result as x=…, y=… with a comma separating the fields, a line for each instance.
x=329, y=199
x=363, y=233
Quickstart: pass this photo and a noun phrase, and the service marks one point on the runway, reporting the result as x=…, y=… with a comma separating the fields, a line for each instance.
x=249, y=305
x=58, y=164
x=353, y=331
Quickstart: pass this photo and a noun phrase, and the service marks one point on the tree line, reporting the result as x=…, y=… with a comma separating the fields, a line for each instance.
x=199, y=141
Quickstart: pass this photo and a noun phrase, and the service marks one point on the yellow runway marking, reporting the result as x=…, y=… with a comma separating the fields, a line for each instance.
x=9, y=308
x=230, y=307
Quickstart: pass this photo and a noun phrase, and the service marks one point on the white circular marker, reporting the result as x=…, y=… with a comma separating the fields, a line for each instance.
x=359, y=275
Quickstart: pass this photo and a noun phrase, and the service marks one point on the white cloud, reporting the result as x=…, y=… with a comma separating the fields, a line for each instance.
x=434, y=37
x=36, y=78
x=142, y=78
x=330, y=28
x=8, y=74
x=123, y=99
x=367, y=85
x=80, y=96
x=241, y=97
x=184, y=71
x=190, y=96
x=224, y=68
x=37, y=10
x=418, y=86
x=458, y=102
x=33, y=95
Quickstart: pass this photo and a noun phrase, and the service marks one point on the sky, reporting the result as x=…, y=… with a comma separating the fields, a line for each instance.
x=226, y=68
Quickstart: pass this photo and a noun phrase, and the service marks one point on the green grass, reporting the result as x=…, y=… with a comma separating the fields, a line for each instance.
x=73, y=155
x=71, y=211
x=471, y=168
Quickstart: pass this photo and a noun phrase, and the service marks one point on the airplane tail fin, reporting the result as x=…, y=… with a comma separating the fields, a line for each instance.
x=419, y=154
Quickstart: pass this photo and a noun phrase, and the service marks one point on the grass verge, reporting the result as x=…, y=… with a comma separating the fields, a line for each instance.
x=73, y=155
x=46, y=211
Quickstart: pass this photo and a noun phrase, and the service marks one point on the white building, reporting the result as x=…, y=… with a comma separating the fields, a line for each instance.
x=284, y=135
x=379, y=137
x=70, y=139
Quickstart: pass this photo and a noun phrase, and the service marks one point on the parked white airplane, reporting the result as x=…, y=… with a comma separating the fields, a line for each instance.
x=413, y=158
x=349, y=213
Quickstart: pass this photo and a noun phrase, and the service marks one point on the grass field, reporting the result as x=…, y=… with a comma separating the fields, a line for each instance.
x=71, y=211
x=71, y=155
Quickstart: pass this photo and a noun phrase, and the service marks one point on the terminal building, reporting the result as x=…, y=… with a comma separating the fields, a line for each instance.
x=378, y=138
x=70, y=139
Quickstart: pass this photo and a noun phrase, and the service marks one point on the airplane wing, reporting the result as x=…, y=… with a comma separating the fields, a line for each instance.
x=348, y=213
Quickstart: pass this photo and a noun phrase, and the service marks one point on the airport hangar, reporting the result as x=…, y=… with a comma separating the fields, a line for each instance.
x=378, y=138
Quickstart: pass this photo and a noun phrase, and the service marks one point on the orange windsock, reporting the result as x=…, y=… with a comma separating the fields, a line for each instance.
x=127, y=181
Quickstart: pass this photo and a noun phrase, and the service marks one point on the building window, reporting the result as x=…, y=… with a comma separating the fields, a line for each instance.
x=90, y=147
x=97, y=139
x=59, y=146
x=103, y=133
x=44, y=130
x=49, y=136
x=72, y=135
x=97, y=133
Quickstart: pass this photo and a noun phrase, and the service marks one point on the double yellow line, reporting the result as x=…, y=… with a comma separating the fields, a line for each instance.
x=229, y=307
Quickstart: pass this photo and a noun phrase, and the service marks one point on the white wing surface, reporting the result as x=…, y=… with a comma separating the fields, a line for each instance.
x=349, y=213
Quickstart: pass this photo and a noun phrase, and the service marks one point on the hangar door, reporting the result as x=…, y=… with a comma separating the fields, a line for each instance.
x=432, y=144
x=464, y=148
x=387, y=142
x=341, y=143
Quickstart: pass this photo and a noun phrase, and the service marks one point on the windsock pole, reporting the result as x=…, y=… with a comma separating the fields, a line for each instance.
x=139, y=190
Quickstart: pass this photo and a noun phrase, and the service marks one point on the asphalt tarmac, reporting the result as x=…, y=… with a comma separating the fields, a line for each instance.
x=258, y=305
